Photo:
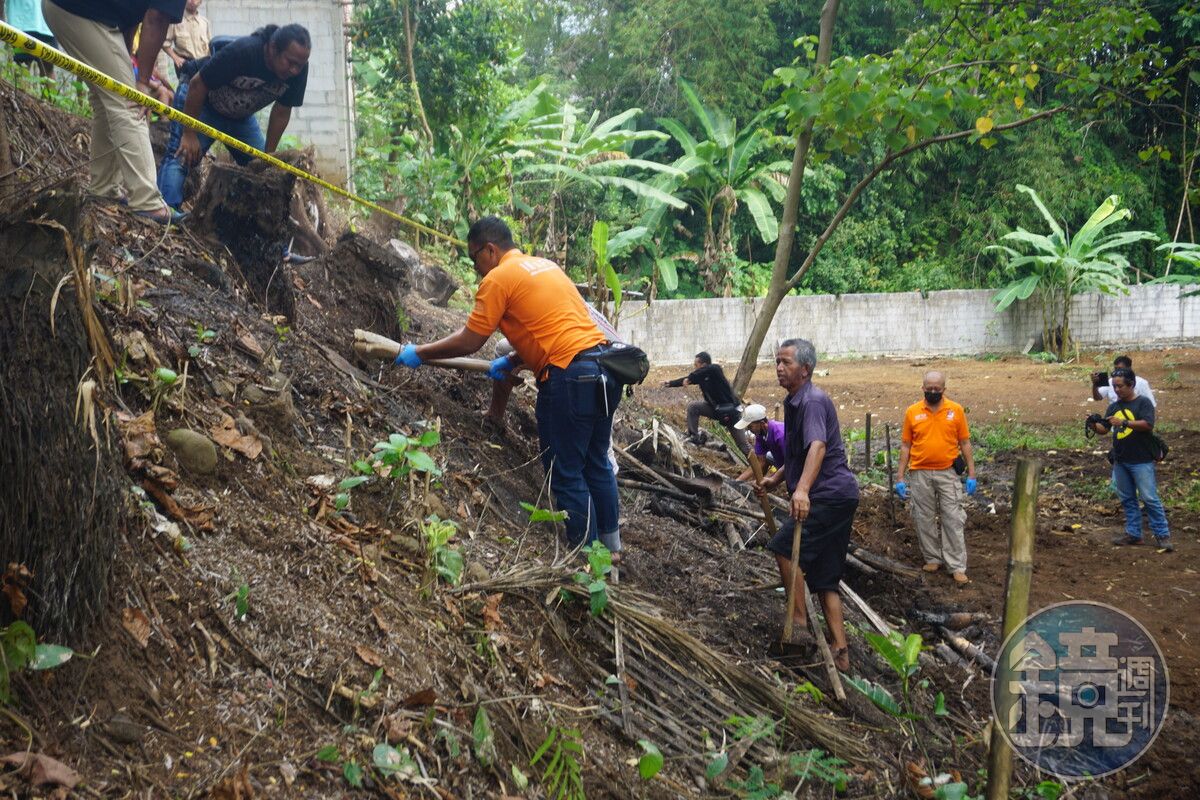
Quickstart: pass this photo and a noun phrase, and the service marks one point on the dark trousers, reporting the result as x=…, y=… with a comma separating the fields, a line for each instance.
x=701, y=408
x=575, y=408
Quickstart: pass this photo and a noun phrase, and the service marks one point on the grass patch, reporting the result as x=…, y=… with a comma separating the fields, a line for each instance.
x=1011, y=436
x=1183, y=495
x=1093, y=488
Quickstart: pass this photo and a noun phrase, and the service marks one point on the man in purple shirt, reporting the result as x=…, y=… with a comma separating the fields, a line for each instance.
x=768, y=437
x=823, y=491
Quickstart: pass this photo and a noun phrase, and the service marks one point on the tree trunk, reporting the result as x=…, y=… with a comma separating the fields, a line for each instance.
x=410, y=34
x=787, y=228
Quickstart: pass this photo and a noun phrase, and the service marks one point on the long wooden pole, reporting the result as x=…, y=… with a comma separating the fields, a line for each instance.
x=756, y=467
x=1016, y=609
x=372, y=345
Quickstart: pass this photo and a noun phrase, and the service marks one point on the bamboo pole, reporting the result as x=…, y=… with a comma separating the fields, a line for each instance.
x=1016, y=609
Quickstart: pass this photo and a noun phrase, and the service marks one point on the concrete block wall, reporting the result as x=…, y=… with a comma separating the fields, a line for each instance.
x=939, y=323
x=326, y=119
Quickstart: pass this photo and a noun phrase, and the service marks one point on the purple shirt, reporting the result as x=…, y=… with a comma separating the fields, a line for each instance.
x=771, y=442
x=809, y=416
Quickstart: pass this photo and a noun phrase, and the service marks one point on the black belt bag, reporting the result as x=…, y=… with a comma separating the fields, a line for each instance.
x=628, y=365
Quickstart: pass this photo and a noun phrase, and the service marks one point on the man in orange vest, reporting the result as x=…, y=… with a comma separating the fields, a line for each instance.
x=536, y=306
x=934, y=433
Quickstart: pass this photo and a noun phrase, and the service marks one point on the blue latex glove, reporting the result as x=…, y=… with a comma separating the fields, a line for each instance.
x=501, y=368
x=902, y=490
x=408, y=356
x=971, y=485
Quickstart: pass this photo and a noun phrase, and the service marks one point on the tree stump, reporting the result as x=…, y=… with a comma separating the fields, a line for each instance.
x=247, y=209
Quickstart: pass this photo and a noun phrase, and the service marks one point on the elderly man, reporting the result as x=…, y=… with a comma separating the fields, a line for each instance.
x=934, y=433
x=824, y=493
x=267, y=68
x=1106, y=389
x=768, y=437
x=535, y=305
x=719, y=403
x=1130, y=418
x=95, y=32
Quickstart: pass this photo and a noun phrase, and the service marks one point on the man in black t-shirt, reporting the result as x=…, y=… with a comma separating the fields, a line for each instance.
x=1131, y=421
x=719, y=401
x=238, y=80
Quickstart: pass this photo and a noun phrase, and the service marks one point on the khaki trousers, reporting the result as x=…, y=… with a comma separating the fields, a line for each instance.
x=939, y=493
x=121, y=154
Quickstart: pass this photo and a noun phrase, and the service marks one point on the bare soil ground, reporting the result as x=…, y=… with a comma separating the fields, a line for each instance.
x=996, y=389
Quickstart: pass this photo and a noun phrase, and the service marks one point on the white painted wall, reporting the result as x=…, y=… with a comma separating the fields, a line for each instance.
x=940, y=323
x=326, y=120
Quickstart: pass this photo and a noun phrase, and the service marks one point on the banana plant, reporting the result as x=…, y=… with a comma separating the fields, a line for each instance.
x=728, y=169
x=564, y=150
x=1060, y=266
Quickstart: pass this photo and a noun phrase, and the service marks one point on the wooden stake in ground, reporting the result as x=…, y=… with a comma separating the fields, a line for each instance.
x=372, y=345
x=867, y=442
x=1016, y=609
x=887, y=442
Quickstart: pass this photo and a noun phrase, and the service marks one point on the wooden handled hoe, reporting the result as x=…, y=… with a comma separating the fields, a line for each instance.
x=372, y=345
x=789, y=617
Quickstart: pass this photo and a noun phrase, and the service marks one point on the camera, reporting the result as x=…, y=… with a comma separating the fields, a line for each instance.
x=1099, y=379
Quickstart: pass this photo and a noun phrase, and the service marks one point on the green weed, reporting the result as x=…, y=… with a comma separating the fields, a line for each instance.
x=20, y=650
x=562, y=773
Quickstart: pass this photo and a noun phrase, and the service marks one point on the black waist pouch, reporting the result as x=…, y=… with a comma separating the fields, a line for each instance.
x=627, y=364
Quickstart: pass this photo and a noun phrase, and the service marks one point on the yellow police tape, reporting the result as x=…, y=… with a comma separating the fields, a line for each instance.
x=59, y=59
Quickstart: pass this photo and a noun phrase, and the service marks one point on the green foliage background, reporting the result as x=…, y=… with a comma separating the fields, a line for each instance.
x=920, y=226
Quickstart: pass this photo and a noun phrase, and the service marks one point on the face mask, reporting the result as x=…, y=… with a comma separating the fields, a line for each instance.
x=933, y=398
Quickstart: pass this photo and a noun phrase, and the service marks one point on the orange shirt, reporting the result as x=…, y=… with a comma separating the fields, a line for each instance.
x=536, y=306
x=934, y=437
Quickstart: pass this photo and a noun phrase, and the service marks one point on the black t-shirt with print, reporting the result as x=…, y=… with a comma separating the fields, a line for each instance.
x=239, y=82
x=1130, y=446
x=123, y=14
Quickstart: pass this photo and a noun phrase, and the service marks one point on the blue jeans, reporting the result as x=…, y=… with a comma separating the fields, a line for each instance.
x=1132, y=481
x=575, y=409
x=173, y=172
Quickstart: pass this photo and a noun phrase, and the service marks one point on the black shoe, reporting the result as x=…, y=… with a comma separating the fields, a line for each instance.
x=1126, y=539
x=1164, y=544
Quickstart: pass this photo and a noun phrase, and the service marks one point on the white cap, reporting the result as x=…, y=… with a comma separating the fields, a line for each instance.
x=752, y=413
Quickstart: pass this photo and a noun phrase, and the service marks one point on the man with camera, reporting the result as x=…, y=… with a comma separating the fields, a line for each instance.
x=934, y=434
x=1103, y=389
x=1135, y=449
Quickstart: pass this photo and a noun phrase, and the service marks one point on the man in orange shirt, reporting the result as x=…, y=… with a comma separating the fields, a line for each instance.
x=934, y=432
x=536, y=306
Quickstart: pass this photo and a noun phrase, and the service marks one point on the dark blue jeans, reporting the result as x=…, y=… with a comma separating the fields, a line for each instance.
x=1134, y=481
x=173, y=172
x=575, y=409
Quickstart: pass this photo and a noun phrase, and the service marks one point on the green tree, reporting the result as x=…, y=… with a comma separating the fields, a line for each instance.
x=1002, y=67
x=1059, y=266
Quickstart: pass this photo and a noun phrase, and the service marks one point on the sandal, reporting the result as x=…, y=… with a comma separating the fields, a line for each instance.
x=165, y=216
